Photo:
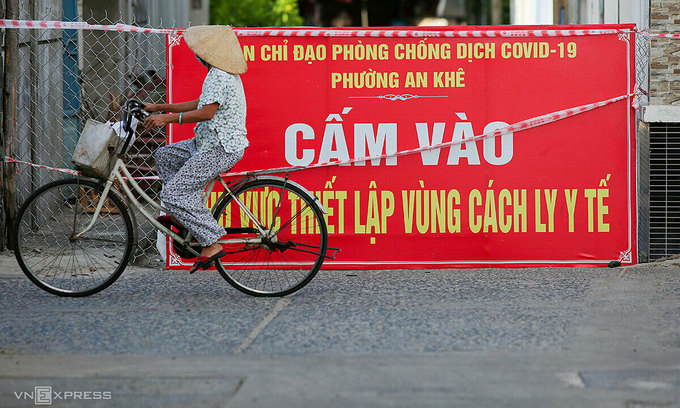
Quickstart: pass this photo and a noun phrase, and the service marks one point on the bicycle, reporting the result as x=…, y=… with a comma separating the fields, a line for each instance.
x=75, y=236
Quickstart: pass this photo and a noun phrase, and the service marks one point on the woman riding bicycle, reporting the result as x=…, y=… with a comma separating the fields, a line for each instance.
x=220, y=139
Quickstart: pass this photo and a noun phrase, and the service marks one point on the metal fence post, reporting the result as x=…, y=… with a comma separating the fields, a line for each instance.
x=8, y=141
x=3, y=4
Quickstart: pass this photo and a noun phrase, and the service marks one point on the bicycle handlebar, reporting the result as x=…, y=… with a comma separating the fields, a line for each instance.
x=132, y=107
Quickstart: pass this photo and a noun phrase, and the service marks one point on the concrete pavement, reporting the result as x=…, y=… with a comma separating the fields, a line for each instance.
x=536, y=337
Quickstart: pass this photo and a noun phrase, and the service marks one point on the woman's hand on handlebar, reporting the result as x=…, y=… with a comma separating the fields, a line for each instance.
x=156, y=121
x=153, y=107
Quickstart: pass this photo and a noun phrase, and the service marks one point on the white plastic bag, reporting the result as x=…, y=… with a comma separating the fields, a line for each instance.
x=96, y=147
x=118, y=128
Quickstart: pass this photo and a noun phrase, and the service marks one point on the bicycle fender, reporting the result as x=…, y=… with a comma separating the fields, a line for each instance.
x=309, y=194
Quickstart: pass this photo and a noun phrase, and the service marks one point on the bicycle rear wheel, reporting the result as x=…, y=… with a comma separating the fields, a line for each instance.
x=50, y=256
x=293, y=249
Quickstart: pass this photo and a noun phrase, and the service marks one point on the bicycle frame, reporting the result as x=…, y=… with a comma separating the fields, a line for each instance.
x=121, y=174
x=273, y=232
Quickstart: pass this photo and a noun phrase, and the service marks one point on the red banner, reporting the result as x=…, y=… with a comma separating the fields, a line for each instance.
x=562, y=193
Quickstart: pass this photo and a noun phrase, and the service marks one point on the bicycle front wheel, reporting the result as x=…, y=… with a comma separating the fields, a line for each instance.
x=52, y=257
x=291, y=250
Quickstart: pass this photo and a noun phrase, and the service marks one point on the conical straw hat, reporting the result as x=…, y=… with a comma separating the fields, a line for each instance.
x=218, y=46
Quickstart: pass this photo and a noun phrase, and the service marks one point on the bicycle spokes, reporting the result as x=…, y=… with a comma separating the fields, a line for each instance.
x=291, y=246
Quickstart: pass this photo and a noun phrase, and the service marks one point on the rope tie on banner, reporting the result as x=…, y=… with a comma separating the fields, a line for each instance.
x=515, y=127
x=637, y=90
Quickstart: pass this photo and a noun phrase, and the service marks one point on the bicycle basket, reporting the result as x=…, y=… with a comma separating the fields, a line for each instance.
x=96, y=149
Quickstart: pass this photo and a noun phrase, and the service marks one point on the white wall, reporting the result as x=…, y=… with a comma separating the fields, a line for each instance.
x=582, y=12
x=627, y=11
x=529, y=12
x=591, y=11
x=614, y=12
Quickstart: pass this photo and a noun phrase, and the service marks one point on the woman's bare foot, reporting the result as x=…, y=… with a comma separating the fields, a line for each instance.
x=206, y=259
x=211, y=250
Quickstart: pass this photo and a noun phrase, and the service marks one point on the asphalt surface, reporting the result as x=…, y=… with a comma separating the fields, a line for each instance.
x=536, y=337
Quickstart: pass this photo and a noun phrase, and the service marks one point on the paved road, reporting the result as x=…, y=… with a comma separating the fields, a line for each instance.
x=541, y=337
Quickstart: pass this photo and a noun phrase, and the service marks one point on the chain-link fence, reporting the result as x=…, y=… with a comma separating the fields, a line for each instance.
x=66, y=77
x=642, y=44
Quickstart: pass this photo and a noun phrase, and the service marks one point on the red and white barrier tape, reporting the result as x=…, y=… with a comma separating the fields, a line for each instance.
x=62, y=170
x=647, y=34
x=515, y=127
x=519, y=126
x=81, y=25
x=314, y=32
x=389, y=33
x=67, y=171
x=526, y=124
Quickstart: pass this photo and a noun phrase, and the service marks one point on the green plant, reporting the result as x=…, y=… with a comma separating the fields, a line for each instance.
x=255, y=13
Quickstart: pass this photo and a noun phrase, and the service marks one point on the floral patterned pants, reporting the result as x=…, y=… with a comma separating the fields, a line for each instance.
x=185, y=173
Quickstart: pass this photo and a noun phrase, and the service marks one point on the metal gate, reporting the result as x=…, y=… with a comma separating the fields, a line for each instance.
x=664, y=190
